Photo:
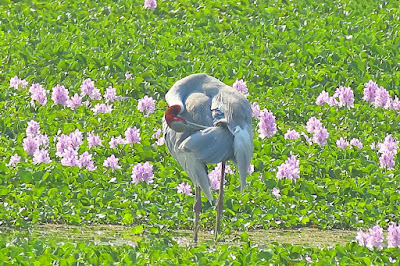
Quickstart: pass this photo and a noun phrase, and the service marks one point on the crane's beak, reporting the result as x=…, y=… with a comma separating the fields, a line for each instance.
x=195, y=126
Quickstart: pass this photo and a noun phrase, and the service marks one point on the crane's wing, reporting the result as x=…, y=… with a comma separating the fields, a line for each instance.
x=211, y=145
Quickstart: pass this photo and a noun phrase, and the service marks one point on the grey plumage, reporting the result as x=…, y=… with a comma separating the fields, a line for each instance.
x=227, y=115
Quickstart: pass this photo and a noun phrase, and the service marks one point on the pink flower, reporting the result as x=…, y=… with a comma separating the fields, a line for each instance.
x=127, y=74
x=250, y=169
x=356, y=142
x=76, y=138
x=33, y=128
x=375, y=238
x=112, y=162
x=370, y=91
x=64, y=142
x=393, y=237
x=362, y=238
x=381, y=98
x=308, y=259
x=255, y=110
x=332, y=101
x=395, y=104
x=150, y=4
x=87, y=87
x=346, y=96
x=320, y=136
x=111, y=94
x=93, y=140
x=14, y=160
x=70, y=157
x=184, y=188
x=266, y=125
x=74, y=101
x=30, y=145
x=292, y=134
x=240, y=86
x=322, y=98
x=142, y=172
x=313, y=124
x=390, y=145
x=156, y=134
x=16, y=82
x=116, y=141
x=215, y=175
x=85, y=160
x=38, y=93
x=42, y=140
x=132, y=135
x=60, y=95
x=102, y=108
x=160, y=141
x=146, y=104
x=290, y=169
x=41, y=156
x=387, y=160
x=342, y=143
x=276, y=192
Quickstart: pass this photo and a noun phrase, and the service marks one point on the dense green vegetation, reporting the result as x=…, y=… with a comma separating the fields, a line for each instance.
x=286, y=51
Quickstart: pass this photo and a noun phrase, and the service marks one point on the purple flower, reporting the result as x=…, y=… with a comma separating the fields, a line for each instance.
x=289, y=169
x=156, y=134
x=16, y=82
x=74, y=101
x=292, y=134
x=342, y=143
x=308, y=259
x=255, y=110
x=41, y=156
x=387, y=160
x=38, y=93
x=390, y=145
x=14, y=160
x=395, y=104
x=87, y=87
x=30, y=145
x=142, y=172
x=93, y=140
x=320, y=136
x=85, y=160
x=276, y=192
x=112, y=162
x=132, y=135
x=146, y=104
x=313, y=124
x=76, y=138
x=128, y=75
x=160, y=141
x=240, y=86
x=250, y=169
x=393, y=237
x=184, y=188
x=375, y=238
x=215, y=175
x=307, y=138
x=64, y=142
x=356, y=142
x=332, y=101
x=42, y=140
x=370, y=91
x=149, y=4
x=322, y=98
x=70, y=157
x=60, y=95
x=266, y=125
x=116, y=141
x=362, y=238
x=102, y=108
x=33, y=128
x=381, y=98
x=111, y=94
x=391, y=260
x=346, y=96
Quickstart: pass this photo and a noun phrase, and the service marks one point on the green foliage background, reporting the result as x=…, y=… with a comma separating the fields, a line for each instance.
x=286, y=51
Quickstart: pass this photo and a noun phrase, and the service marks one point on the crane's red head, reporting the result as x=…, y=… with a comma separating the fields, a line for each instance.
x=173, y=120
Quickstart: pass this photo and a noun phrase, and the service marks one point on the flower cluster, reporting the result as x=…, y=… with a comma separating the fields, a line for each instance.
x=112, y=162
x=215, y=175
x=142, y=172
x=343, y=96
x=38, y=93
x=379, y=96
x=17, y=83
x=320, y=134
x=184, y=188
x=289, y=169
x=240, y=86
x=33, y=142
x=388, y=149
x=255, y=110
x=266, y=125
x=292, y=134
x=374, y=237
x=149, y=4
x=146, y=104
x=160, y=139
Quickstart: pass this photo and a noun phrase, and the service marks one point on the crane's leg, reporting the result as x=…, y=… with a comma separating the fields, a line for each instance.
x=197, y=209
x=220, y=202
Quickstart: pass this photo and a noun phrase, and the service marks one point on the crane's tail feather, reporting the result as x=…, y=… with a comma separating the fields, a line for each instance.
x=243, y=151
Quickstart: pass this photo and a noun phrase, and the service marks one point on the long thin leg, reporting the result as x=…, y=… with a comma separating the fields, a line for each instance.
x=220, y=202
x=197, y=209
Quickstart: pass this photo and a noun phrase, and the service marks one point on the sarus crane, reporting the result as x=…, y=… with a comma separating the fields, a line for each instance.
x=208, y=122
